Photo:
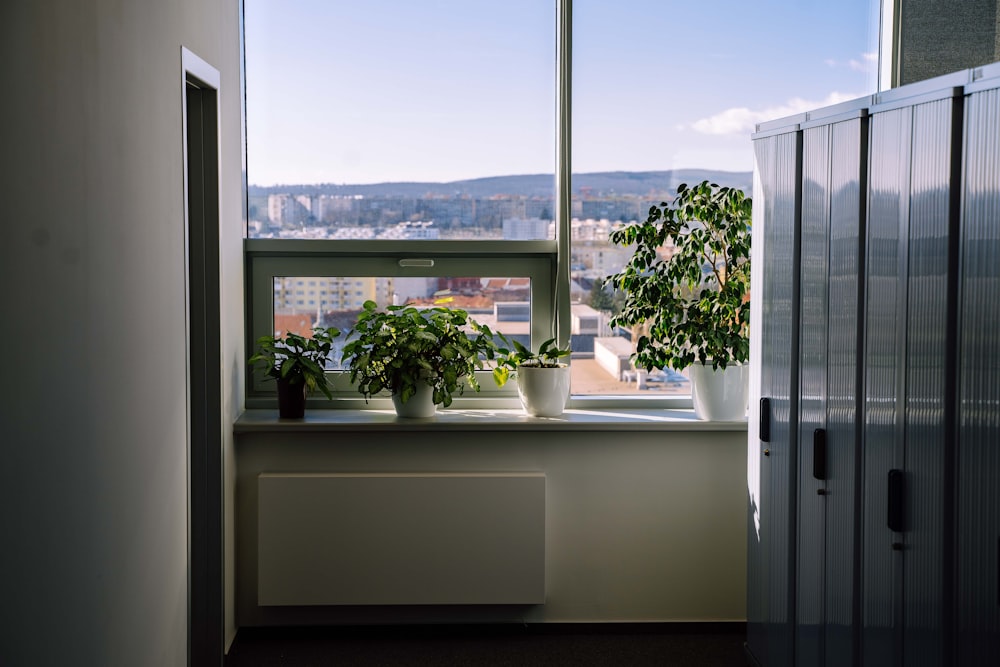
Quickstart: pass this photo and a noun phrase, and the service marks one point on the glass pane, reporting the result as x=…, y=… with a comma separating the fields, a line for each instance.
x=668, y=92
x=304, y=302
x=400, y=119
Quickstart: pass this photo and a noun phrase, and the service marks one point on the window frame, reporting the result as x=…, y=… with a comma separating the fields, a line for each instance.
x=546, y=262
x=267, y=259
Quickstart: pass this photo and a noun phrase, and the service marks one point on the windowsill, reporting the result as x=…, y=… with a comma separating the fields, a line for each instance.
x=452, y=419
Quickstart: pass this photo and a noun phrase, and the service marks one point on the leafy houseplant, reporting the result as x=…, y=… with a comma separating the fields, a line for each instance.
x=404, y=349
x=508, y=361
x=296, y=363
x=542, y=380
x=687, y=284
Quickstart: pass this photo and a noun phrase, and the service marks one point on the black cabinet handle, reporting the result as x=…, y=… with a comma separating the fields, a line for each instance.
x=765, y=420
x=896, y=490
x=819, y=453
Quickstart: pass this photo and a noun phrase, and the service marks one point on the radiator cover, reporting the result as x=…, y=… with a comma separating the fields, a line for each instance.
x=401, y=539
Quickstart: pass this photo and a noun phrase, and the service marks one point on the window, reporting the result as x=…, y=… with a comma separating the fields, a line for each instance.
x=505, y=290
x=390, y=130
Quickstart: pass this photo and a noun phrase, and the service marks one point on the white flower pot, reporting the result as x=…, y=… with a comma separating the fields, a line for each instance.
x=420, y=405
x=543, y=391
x=720, y=395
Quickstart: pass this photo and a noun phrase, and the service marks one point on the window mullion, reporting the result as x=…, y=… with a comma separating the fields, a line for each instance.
x=564, y=169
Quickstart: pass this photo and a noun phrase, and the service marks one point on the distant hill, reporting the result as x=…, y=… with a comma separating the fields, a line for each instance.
x=599, y=184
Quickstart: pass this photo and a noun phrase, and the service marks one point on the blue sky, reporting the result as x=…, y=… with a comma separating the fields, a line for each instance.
x=436, y=90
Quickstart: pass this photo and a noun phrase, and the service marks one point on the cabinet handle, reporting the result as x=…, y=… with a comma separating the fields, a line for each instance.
x=895, y=504
x=819, y=453
x=764, y=429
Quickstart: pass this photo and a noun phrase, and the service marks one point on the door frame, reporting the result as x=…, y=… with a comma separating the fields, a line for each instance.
x=206, y=608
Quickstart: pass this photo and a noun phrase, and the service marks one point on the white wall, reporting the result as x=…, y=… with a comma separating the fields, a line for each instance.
x=639, y=526
x=93, y=411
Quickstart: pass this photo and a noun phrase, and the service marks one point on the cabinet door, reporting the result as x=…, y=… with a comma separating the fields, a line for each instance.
x=770, y=481
x=909, y=350
x=833, y=169
x=930, y=346
x=848, y=169
x=978, y=457
x=814, y=272
x=885, y=312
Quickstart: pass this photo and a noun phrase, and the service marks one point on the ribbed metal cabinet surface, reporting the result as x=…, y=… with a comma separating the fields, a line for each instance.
x=848, y=175
x=978, y=459
x=813, y=326
x=770, y=556
x=929, y=389
x=909, y=339
x=885, y=335
x=834, y=167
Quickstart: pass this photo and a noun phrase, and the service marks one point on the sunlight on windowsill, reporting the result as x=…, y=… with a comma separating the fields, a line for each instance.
x=605, y=419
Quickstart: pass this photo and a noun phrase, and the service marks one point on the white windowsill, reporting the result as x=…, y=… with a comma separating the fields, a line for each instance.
x=452, y=419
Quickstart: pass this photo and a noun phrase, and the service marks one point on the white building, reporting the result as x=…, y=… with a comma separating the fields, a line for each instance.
x=519, y=229
x=411, y=230
x=319, y=294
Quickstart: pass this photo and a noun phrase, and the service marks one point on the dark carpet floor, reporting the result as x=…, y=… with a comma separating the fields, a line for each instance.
x=698, y=645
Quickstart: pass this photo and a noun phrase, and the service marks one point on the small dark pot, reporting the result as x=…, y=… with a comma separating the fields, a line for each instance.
x=291, y=399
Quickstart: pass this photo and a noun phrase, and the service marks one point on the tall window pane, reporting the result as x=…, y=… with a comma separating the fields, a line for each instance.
x=400, y=119
x=669, y=91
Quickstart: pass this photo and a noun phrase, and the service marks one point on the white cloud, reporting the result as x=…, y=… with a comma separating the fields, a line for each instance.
x=740, y=120
x=868, y=63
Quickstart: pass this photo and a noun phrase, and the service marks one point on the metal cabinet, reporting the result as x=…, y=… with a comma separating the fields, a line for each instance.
x=803, y=458
x=874, y=474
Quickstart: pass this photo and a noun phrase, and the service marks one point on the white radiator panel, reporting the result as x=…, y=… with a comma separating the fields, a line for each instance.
x=393, y=539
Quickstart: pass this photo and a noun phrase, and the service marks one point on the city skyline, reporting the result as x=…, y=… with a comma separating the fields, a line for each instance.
x=445, y=91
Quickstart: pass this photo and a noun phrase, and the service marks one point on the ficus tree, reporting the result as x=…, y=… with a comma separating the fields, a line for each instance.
x=687, y=285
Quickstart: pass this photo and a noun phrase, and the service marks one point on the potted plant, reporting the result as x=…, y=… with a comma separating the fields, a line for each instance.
x=422, y=356
x=296, y=363
x=687, y=293
x=542, y=380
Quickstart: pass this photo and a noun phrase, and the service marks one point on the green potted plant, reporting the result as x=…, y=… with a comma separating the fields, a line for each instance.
x=542, y=379
x=422, y=356
x=687, y=293
x=296, y=363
